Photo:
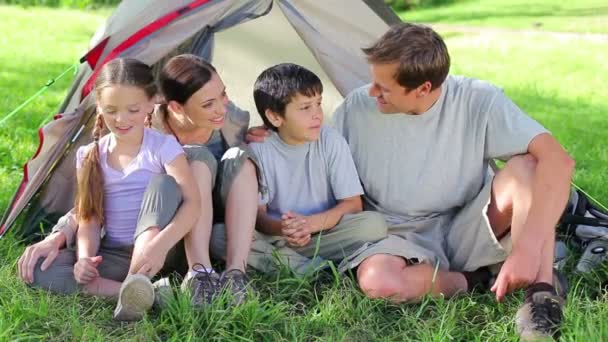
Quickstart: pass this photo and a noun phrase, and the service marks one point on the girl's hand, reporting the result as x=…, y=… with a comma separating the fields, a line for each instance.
x=85, y=269
x=149, y=261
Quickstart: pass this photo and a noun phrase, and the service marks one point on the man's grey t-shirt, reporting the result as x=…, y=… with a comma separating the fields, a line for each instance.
x=308, y=178
x=421, y=166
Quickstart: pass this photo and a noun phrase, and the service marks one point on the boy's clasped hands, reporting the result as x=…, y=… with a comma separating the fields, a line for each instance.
x=298, y=229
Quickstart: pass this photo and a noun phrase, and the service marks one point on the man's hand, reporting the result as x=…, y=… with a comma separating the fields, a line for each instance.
x=296, y=229
x=257, y=134
x=149, y=261
x=47, y=248
x=85, y=269
x=519, y=270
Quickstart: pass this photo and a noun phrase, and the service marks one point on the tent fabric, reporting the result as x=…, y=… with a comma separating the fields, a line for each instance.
x=155, y=30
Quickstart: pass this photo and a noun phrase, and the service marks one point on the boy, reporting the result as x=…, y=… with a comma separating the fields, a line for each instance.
x=312, y=190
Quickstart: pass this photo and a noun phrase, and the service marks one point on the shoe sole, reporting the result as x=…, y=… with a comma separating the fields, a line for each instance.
x=136, y=297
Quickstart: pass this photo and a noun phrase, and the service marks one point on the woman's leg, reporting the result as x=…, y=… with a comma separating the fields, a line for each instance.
x=240, y=214
x=196, y=243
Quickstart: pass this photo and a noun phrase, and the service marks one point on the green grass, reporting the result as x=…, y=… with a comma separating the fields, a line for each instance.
x=562, y=16
x=559, y=82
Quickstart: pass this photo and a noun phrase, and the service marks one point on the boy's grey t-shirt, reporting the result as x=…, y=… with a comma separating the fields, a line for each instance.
x=421, y=166
x=308, y=178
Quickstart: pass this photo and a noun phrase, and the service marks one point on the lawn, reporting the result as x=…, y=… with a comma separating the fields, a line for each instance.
x=585, y=16
x=559, y=81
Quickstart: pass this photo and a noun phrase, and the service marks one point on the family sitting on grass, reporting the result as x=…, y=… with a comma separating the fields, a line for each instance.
x=401, y=190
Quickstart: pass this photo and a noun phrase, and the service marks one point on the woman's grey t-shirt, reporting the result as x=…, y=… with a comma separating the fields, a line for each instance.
x=420, y=166
x=308, y=178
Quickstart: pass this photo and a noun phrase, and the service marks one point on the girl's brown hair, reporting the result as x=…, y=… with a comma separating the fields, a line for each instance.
x=90, y=195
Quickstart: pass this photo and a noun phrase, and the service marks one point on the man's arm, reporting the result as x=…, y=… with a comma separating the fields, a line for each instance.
x=550, y=190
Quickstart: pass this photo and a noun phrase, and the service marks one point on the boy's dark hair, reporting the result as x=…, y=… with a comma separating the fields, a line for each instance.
x=276, y=86
x=420, y=52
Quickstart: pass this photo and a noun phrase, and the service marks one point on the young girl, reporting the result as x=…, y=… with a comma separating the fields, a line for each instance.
x=113, y=174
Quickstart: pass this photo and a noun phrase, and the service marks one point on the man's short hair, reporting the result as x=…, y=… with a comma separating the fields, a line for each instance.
x=421, y=53
x=276, y=86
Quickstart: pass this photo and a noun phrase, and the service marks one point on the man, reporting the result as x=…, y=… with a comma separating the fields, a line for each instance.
x=423, y=143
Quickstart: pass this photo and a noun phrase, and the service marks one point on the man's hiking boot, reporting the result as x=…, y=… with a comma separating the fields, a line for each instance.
x=540, y=317
x=203, y=287
x=135, y=298
x=236, y=283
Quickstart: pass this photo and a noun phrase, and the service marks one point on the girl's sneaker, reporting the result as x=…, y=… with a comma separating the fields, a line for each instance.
x=135, y=298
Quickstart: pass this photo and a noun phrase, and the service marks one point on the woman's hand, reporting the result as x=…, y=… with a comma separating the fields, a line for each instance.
x=257, y=134
x=47, y=249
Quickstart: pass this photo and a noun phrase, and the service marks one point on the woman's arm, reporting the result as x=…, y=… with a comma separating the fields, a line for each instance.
x=68, y=225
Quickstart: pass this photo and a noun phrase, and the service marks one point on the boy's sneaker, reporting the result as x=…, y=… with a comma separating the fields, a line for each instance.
x=541, y=315
x=163, y=293
x=135, y=298
x=203, y=287
x=237, y=283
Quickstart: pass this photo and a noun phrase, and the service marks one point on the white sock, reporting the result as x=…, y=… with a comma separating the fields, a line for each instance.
x=192, y=273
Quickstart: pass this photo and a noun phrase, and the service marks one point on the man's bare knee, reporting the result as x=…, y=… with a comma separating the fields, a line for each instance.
x=382, y=276
x=512, y=183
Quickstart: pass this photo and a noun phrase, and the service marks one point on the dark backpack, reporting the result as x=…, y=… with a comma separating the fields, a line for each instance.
x=587, y=226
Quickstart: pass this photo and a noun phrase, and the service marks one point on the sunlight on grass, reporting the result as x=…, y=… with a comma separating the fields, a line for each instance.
x=586, y=16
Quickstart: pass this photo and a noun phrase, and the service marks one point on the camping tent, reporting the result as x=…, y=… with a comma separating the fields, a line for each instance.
x=241, y=37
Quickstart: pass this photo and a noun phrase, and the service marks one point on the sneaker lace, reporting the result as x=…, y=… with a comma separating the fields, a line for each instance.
x=547, y=315
x=206, y=283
